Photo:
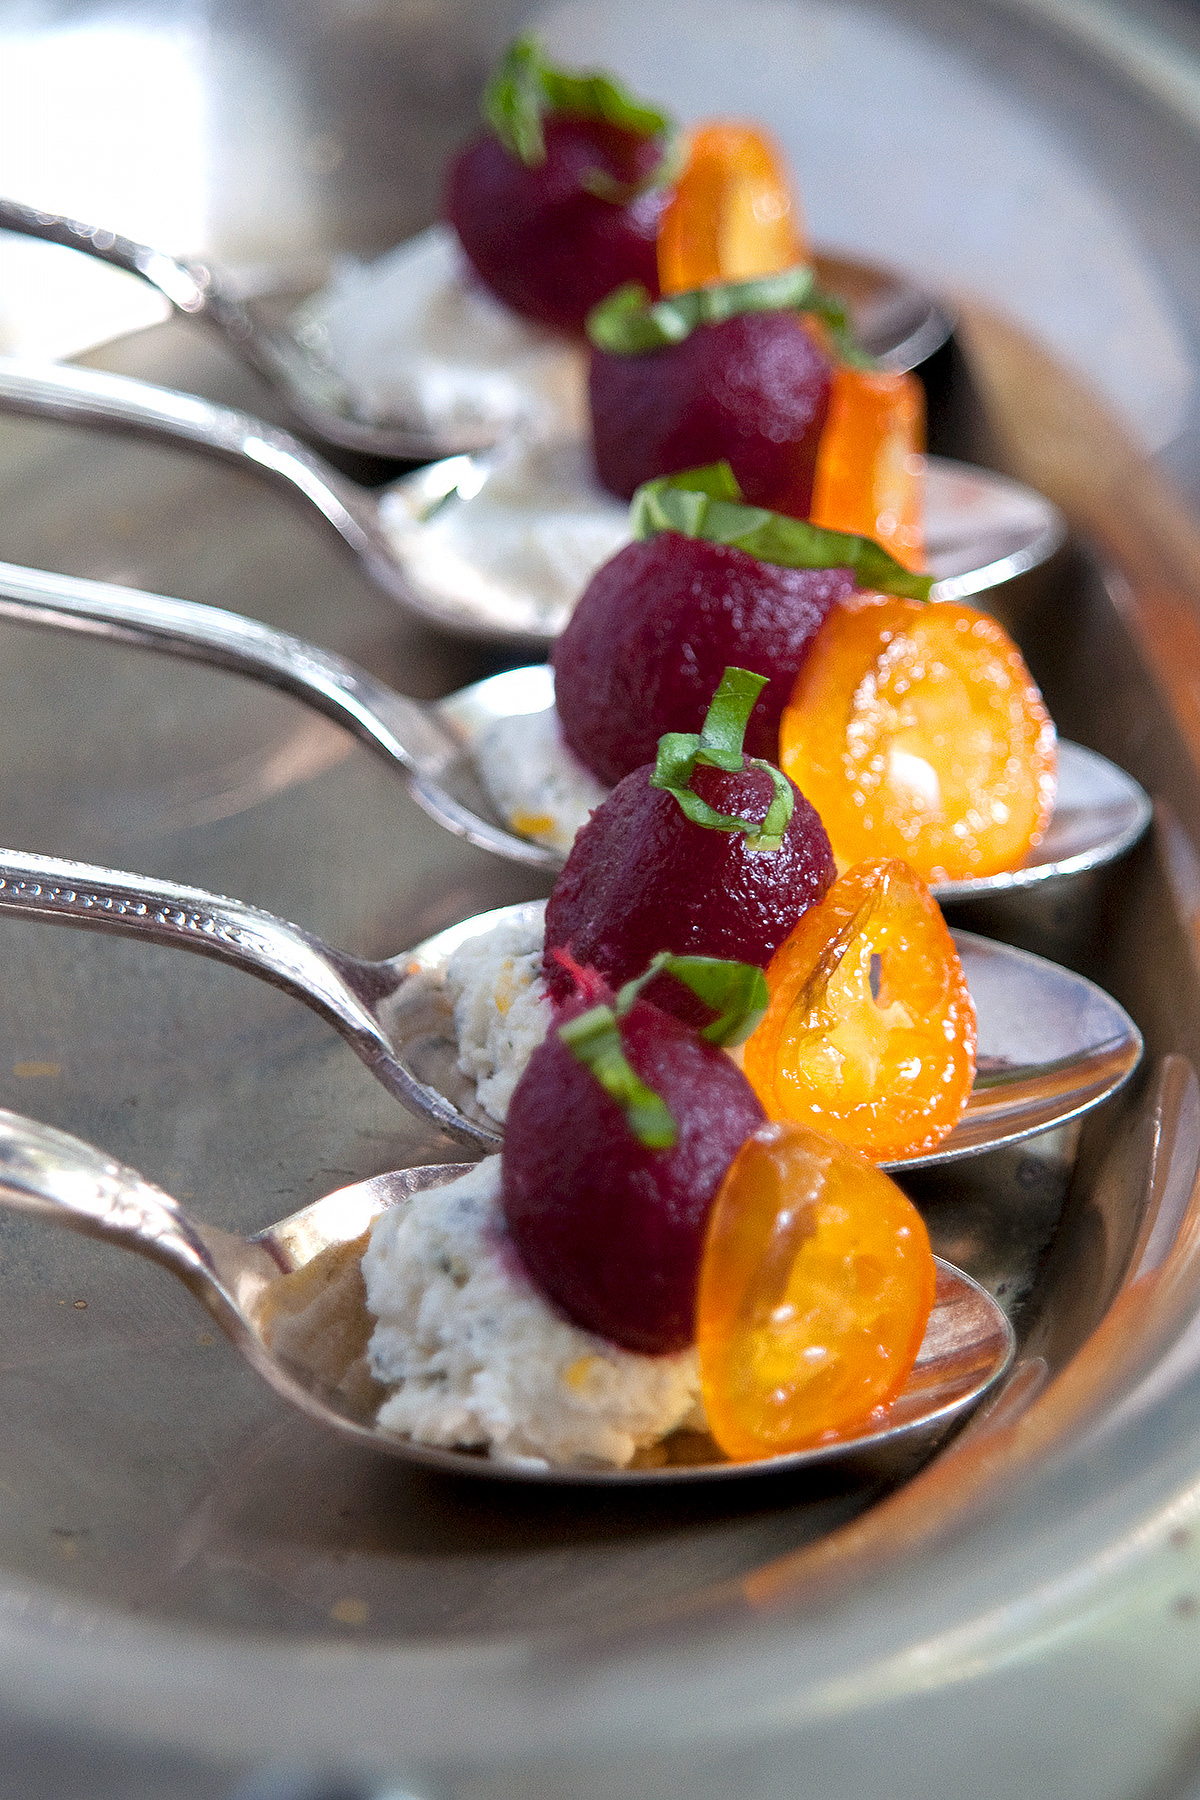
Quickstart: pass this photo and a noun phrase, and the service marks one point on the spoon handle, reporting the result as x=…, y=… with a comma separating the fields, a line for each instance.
x=343, y=989
x=397, y=727
x=189, y=288
x=95, y=397
x=47, y=1172
x=338, y=986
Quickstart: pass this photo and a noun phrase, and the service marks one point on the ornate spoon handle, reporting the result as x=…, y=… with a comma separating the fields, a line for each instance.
x=70, y=893
x=344, y=989
x=47, y=1172
x=60, y=1178
x=395, y=726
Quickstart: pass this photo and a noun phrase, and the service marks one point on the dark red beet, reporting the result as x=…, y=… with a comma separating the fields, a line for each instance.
x=656, y=629
x=545, y=245
x=642, y=878
x=610, y=1231
x=752, y=391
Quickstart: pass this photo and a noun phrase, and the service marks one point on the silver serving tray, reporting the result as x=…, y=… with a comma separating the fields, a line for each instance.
x=187, y=1569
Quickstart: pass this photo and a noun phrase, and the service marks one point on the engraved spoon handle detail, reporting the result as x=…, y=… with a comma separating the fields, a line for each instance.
x=93, y=396
x=59, y=1178
x=342, y=988
x=47, y=1172
x=71, y=893
x=397, y=727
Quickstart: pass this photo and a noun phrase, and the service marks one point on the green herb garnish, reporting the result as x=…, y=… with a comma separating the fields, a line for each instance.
x=594, y=1039
x=735, y=991
x=628, y=322
x=707, y=503
x=525, y=86
x=718, y=745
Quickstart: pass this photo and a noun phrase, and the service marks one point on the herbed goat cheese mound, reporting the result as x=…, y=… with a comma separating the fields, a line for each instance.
x=535, y=780
x=415, y=339
x=476, y=1358
x=501, y=1009
x=517, y=540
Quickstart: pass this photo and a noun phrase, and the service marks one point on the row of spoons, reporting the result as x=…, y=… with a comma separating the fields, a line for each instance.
x=1050, y=1044
x=894, y=321
x=499, y=545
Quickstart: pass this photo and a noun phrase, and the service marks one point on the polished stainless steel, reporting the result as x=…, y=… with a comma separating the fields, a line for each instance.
x=194, y=291
x=982, y=530
x=1050, y=1045
x=895, y=322
x=195, y=1579
x=406, y=733
x=1100, y=812
x=967, y=1347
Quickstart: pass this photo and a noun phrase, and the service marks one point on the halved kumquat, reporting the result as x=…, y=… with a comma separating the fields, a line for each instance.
x=870, y=468
x=733, y=214
x=816, y=1285
x=917, y=731
x=870, y=1031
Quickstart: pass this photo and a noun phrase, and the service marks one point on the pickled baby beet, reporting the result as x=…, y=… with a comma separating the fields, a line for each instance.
x=752, y=390
x=642, y=877
x=611, y=1230
x=538, y=237
x=658, y=624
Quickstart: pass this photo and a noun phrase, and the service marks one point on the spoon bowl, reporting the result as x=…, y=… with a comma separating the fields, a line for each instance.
x=245, y=1283
x=895, y=321
x=499, y=546
x=1051, y=1045
x=1099, y=812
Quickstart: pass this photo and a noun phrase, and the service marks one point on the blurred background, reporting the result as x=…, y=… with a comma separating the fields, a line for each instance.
x=1039, y=152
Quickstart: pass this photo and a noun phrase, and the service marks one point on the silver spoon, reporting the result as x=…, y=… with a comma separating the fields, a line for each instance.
x=466, y=545
x=1099, y=812
x=895, y=321
x=968, y=1344
x=1050, y=1044
x=193, y=291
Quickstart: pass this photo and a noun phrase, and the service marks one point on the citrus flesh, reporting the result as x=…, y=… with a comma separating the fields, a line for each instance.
x=917, y=731
x=733, y=215
x=870, y=471
x=816, y=1285
x=870, y=1031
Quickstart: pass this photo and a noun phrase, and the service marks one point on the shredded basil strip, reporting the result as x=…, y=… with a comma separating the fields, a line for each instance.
x=594, y=1039
x=707, y=503
x=718, y=745
x=525, y=86
x=628, y=322
x=735, y=991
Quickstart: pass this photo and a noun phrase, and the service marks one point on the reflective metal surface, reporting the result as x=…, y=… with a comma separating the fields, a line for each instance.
x=894, y=322
x=967, y=1347
x=1099, y=811
x=194, y=1583
x=1050, y=1045
x=982, y=530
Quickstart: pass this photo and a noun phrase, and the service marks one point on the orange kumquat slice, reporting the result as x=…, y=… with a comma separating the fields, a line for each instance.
x=732, y=215
x=870, y=1031
x=816, y=1285
x=870, y=470
x=917, y=731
